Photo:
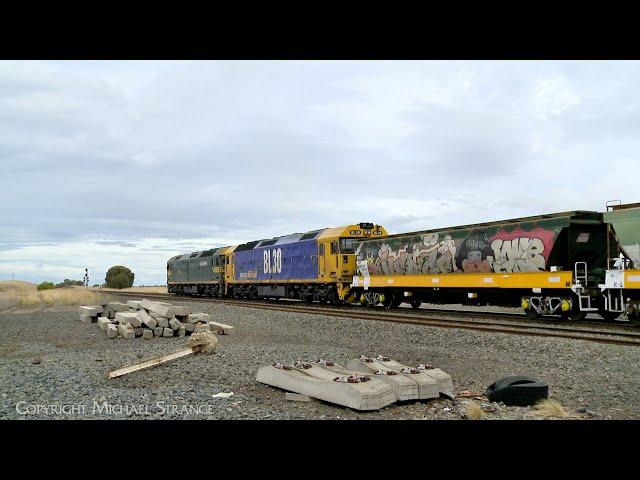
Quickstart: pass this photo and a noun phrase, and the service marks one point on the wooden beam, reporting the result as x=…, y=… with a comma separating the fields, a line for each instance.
x=152, y=362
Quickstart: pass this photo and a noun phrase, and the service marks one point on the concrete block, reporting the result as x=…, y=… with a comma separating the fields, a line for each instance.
x=164, y=309
x=370, y=394
x=112, y=331
x=146, y=319
x=103, y=322
x=117, y=307
x=297, y=397
x=134, y=304
x=174, y=323
x=86, y=318
x=189, y=327
x=426, y=377
x=198, y=317
x=221, y=328
x=126, y=330
x=92, y=311
x=201, y=327
x=127, y=318
x=147, y=334
x=158, y=331
x=156, y=307
x=177, y=310
x=162, y=322
x=182, y=331
x=167, y=332
x=398, y=375
x=138, y=331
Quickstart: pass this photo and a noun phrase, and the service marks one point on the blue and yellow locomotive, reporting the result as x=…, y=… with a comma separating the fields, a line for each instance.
x=314, y=266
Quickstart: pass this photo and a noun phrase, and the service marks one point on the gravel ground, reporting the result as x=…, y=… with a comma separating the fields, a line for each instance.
x=49, y=359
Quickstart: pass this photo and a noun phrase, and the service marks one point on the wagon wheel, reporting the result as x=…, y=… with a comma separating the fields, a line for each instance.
x=373, y=299
x=334, y=299
x=415, y=303
x=608, y=316
x=573, y=316
x=253, y=293
x=390, y=301
x=531, y=313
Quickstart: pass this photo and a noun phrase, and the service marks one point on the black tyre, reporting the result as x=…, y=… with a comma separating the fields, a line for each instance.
x=517, y=390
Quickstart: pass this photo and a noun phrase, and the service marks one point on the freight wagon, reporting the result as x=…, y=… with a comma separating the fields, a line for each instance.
x=557, y=264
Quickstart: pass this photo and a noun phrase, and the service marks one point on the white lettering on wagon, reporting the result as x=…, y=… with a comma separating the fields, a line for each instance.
x=518, y=255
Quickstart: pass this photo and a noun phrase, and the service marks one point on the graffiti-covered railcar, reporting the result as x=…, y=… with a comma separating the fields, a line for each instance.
x=622, y=284
x=497, y=262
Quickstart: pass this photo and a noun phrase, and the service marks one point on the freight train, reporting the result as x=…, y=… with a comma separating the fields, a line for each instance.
x=563, y=264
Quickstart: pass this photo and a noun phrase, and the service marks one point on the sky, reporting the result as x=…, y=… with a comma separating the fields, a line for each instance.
x=132, y=162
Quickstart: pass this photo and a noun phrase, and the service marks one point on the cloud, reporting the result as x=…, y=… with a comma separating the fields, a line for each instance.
x=107, y=163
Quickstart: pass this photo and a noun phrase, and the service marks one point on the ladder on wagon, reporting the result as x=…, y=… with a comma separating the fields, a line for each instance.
x=581, y=278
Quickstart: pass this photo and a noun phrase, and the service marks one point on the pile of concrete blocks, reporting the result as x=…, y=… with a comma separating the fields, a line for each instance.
x=365, y=384
x=149, y=319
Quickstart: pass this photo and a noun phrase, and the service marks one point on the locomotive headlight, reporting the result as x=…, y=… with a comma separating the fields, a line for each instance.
x=565, y=306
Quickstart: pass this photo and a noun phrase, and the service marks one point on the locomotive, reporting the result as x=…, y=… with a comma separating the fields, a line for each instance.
x=565, y=264
x=313, y=266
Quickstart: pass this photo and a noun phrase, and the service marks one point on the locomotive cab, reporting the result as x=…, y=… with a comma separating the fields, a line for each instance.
x=337, y=253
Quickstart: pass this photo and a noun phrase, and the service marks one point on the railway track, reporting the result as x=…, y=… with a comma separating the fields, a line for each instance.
x=479, y=321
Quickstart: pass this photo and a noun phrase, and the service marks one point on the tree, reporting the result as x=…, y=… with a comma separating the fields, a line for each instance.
x=45, y=286
x=119, y=277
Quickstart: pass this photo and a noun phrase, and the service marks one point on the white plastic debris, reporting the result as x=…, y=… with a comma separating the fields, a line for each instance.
x=222, y=395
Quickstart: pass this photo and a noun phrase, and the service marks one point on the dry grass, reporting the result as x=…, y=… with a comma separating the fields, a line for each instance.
x=549, y=409
x=473, y=411
x=25, y=294
x=162, y=289
x=16, y=285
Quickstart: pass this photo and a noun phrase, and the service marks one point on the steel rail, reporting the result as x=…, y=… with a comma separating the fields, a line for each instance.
x=578, y=333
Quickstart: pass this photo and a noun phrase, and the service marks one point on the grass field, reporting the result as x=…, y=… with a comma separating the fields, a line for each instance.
x=24, y=294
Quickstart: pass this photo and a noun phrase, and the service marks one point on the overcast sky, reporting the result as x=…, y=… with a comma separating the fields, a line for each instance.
x=106, y=163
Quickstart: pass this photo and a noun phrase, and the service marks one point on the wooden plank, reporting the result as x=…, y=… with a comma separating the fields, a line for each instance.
x=152, y=362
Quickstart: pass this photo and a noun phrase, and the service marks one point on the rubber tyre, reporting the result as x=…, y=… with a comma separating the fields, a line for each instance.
x=517, y=390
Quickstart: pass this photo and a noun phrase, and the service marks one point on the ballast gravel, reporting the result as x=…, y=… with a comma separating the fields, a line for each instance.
x=52, y=366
